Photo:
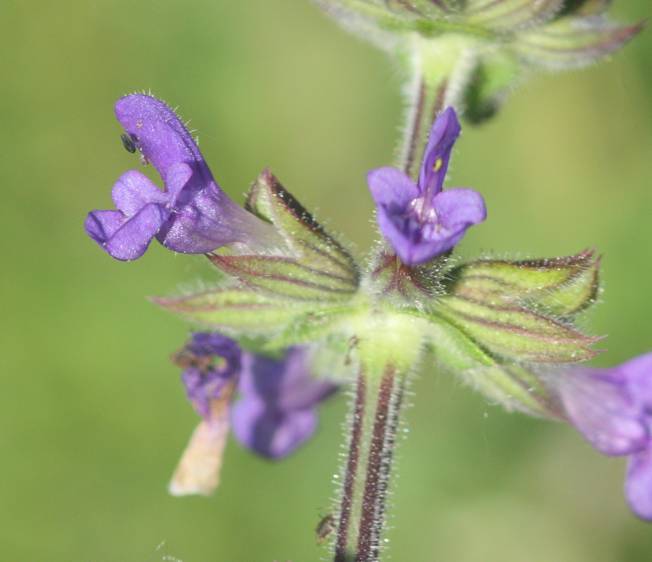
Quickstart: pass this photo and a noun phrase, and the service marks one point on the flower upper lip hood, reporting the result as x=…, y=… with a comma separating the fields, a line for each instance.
x=612, y=408
x=420, y=220
x=158, y=133
x=191, y=215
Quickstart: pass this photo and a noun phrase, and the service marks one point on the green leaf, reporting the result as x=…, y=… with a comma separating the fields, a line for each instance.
x=506, y=383
x=516, y=333
x=311, y=245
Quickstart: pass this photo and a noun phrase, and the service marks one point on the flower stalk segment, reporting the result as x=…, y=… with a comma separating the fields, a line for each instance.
x=374, y=422
x=438, y=74
x=388, y=349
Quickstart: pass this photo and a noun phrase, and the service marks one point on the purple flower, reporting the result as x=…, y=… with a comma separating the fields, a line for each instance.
x=420, y=220
x=191, y=215
x=212, y=362
x=275, y=414
x=612, y=408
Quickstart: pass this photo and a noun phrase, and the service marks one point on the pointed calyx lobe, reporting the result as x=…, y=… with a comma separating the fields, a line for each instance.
x=419, y=220
x=559, y=286
x=285, y=298
x=191, y=214
x=316, y=267
x=523, y=310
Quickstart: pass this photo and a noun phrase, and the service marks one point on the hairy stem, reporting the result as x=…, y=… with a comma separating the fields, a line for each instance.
x=373, y=499
x=363, y=502
x=349, y=486
x=439, y=75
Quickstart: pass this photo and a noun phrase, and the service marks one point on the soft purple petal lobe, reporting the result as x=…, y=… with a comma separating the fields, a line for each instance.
x=277, y=411
x=125, y=238
x=436, y=157
x=458, y=209
x=612, y=408
x=638, y=486
x=269, y=432
x=638, y=373
x=391, y=188
x=212, y=361
x=599, y=404
x=135, y=190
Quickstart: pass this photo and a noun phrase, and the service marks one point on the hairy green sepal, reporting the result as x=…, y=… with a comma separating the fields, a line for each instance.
x=500, y=39
x=495, y=323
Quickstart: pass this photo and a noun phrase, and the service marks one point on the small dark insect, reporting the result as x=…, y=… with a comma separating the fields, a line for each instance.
x=325, y=528
x=353, y=343
x=186, y=359
x=128, y=142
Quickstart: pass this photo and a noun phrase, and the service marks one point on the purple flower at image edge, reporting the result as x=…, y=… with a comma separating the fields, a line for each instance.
x=191, y=215
x=420, y=220
x=274, y=415
x=612, y=408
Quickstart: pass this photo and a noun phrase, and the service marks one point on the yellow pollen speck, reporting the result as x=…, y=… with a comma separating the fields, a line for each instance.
x=438, y=164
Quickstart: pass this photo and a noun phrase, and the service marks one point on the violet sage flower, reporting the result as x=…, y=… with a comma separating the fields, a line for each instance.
x=274, y=415
x=191, y=215
x=612, y=408
x=420, y=220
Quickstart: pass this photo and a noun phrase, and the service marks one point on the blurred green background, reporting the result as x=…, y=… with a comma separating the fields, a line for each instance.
x=92, y=414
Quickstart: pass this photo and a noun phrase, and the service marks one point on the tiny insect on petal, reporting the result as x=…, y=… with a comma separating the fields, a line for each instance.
x=128, y=143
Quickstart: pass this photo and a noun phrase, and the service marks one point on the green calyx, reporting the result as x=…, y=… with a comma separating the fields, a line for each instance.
x=312, y=247
x=494, y=323
x=558, y=286
x=500, y=40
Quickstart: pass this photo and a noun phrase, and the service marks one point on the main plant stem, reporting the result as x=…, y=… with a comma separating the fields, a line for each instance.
x=438, y=71
x=374, y=424
x=349, y=487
